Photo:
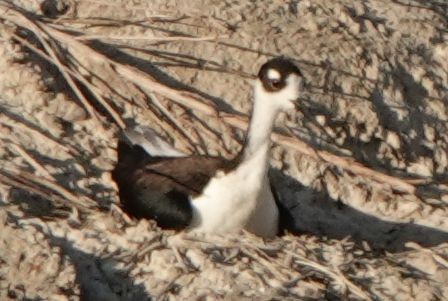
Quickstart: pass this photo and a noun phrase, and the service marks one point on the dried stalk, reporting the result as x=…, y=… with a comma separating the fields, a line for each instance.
x=194, y=102
x=21, y=179
x=94, y=90
x=251, y=250
x=146, y=38
x=439, y=259
x=336, y=276
x=241, y=122
x=55, y=59
x=270, y=266
x=173, y=120
x=11, y=182
x=36, y=165
x=9, y=122
x=81, y=201
x=127, y=5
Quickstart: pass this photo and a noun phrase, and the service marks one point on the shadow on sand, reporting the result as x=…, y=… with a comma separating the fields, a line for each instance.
x=98, y=278
x=308, y=211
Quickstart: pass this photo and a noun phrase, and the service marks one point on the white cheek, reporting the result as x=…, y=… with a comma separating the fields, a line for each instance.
x=288, y=105
x=283, y=100
x=287, y=98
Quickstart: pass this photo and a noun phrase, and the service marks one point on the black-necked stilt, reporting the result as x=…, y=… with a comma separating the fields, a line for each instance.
x=211, y=194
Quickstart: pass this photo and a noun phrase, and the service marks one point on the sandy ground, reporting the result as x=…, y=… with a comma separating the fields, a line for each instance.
x=377, y=78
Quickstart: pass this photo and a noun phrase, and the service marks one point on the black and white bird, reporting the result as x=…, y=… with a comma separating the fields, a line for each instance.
x=211, y=194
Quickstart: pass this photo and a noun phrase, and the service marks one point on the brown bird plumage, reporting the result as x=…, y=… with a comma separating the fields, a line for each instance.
x=150, y=187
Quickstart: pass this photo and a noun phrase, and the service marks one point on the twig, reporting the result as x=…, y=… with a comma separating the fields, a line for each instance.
x=6, y=120
x=161, y=295
x=249, y=252
x=92, y=112
x=217, y=136
x=81, y=201
x=173, y=120
x=94, y=90
x=167, y=128
x=250, y=249
x=21, y=179
x=194, y=102
x=442, y=261
x=36, y=29
x=36, y=165
x=146, y=38
x=337, y=276
x=241, y=122
x=346, y=163
x=11, y=182
x=127, y=5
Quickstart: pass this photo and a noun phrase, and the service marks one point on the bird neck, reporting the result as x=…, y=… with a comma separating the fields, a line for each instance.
x=258, y=140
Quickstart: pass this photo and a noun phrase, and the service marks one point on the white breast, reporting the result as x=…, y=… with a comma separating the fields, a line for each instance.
x=241, y=199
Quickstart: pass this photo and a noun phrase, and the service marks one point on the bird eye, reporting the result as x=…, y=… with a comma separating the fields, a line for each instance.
x=275, y=84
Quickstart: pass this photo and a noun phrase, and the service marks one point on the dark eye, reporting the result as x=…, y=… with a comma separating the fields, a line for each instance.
x=275, y=84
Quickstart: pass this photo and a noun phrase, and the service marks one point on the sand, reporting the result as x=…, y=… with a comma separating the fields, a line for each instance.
x=376, y=93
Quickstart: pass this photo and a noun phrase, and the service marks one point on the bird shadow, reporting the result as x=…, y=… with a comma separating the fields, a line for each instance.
x=306, y=210
x=99, y=278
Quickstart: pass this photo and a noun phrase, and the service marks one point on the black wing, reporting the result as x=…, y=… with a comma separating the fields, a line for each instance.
x=160, y=188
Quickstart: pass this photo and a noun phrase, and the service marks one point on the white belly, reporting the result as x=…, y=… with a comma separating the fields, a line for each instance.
x=236, y=201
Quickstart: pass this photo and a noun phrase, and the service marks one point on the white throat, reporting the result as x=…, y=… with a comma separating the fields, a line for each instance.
x=264, y=113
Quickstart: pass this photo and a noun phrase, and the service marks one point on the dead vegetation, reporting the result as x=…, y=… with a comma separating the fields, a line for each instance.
x=58, y=150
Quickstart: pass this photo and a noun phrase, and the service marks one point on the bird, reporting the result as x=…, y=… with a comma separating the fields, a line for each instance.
x=208, y=193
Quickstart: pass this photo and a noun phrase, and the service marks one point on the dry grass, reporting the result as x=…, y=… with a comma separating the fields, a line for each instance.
x=291, y=266
x=48, y=35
